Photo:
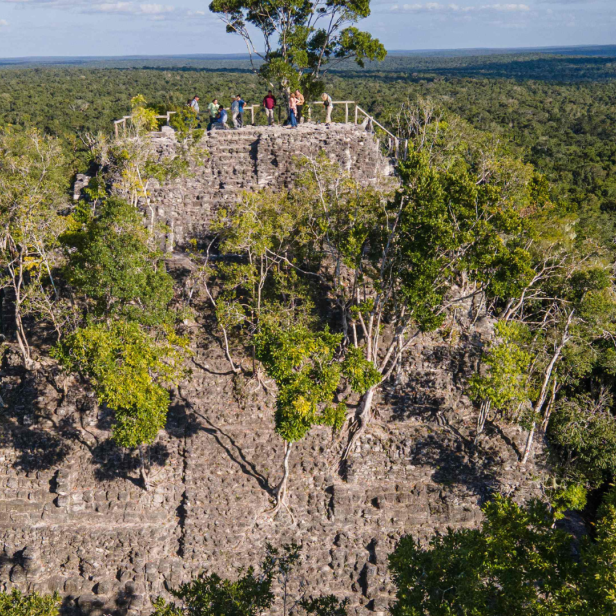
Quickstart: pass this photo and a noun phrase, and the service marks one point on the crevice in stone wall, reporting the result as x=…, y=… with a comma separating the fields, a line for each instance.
x=182, y=510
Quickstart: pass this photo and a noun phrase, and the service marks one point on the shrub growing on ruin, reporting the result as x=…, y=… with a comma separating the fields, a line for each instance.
x=113, y=267
x=129, y=369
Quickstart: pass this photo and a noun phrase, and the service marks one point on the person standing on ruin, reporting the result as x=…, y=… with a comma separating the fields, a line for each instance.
x=329, y=105
x=300, y=105
x=213, y=111
x=293, y=111
x=269, y=104
x=194, y=105
x=241, y=103
x=235, y=112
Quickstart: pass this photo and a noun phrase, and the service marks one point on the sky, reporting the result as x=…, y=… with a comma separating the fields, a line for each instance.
x=173, y=27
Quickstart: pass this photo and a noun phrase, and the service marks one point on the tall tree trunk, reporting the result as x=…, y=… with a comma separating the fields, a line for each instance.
x=144, y=471
x=280, y=493
x=361, y=421
x=481, y=418
x=22, y=340
x=544, y=389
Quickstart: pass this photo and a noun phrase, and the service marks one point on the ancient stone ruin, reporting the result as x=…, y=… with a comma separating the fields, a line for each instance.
x=75, y=519
x=255, y=158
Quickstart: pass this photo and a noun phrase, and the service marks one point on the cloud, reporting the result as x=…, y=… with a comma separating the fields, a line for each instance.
x=129, y=8
x=121, y=7
x=3, y=23
x=436, y=7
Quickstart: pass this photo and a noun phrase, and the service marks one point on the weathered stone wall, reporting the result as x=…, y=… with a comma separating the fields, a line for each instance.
x=252, y=158
x=73, y=517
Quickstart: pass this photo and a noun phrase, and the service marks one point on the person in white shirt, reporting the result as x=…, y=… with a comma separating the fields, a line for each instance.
x=329, y=105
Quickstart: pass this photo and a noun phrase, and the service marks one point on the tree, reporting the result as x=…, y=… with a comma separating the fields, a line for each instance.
x=128, y=368
x=518, y=562
x=126, y=344
x=396, y=267
x=307, y=374
x=111, y=264
x=505, y=385
x=251, y=594
x=17, y=604
x=32, y=184
x=300, y=38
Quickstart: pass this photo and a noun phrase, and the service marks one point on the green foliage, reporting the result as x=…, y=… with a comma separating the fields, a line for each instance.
x=584, y=427
x=128, y=368
x=300, y=38
x=110, y=262
x=506, y=382
x=572, y=497
x=517, y=563
x=211, y=595
x=303, y=364
x=360, y=373
x=452, y=223
x=325, y=606
x=17, y=604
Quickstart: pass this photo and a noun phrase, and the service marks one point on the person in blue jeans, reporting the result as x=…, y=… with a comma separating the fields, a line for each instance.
x=240, y=114
x=293, y=111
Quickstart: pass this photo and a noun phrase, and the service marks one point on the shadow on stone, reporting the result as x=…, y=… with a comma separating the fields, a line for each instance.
x=114, y=462
x=226, y=442
x=455, y=463
x=97, y=605
x=38, y=449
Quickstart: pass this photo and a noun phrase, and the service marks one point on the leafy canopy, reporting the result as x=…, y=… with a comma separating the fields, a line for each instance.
x=517, y=563
x=303, y=365
x=17, y=604
x=111, y=263
x=300, y=37
x=128, y=368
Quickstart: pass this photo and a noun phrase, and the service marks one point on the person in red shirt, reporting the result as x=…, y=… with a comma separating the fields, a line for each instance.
x=269, y=103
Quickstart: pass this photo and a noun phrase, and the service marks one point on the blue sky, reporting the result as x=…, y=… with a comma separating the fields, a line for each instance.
x=148, y=27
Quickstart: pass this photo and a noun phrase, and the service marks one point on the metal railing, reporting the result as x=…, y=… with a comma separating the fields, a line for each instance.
x=122, y=121
x=394, y=145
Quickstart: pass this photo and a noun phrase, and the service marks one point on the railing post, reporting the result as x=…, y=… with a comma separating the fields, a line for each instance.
x=117, y=134
x=346, y=113
x=252, y=114
x=356, y=111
